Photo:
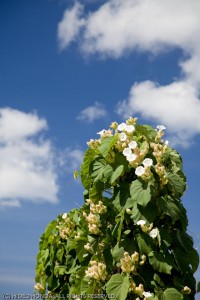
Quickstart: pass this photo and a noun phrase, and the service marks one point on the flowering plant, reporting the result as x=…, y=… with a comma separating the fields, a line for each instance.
x=129, y=238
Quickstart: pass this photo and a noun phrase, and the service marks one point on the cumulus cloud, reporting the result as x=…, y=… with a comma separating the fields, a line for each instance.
x=91, y=113
x=27, y=170
x=175, y=105
x=121, y=25
x=69, y=27
x=118, y=27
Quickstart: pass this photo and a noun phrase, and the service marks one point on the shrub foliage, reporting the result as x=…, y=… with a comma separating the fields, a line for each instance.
x=129, y=240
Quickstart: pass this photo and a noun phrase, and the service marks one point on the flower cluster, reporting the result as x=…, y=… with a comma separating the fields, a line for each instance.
x=139, y=290
x=144, y=227
x=94, y=223
x=144, y=171
x=98, y=208
x=158, y=151
x=127, y=145
x=129, y=263
x=186, y=290
x=93, y=218
x=97, y=270
x=65, y=227
x=39, y=287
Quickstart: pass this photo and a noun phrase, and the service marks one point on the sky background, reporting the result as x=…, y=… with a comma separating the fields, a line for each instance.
x=67, y=70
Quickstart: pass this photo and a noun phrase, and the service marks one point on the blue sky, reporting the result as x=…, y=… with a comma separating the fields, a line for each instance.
x=69, y=68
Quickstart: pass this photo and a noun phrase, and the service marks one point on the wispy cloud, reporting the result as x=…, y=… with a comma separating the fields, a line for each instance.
x=118, y=27
x=27, y=170
x=91, y=113
x=69, y=27
x=71, y=159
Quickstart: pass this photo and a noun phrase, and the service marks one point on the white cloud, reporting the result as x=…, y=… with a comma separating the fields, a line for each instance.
x=26, y=160
x=92, y=113
x=69, y=27
x=120, y=26
x=175, y=105
x=71, y=159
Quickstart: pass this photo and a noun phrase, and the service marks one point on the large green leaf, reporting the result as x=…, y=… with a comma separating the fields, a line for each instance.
x=148, y=213
x=100, y=170
x=145, y=243
x=118, y=285
x=141, y=192
x=174, y=209
x=175, y=156
x=165, y=239
x=117, y=252
x=106, y=144
x=171, y=294
x=88, y=158
x=116, y=174
x=50, y=228
x=184, y=243
x=121, y=196
x=159, y=263
x=176, y=184
x=148, y=131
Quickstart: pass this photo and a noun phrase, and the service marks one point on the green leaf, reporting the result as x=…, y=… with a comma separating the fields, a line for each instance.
x=189, y=254
x=59, y=254
x=80, y=250
x=176, y=183
x=141, y=192
x=165, y=239
x=159, y=263
x=88, y=158
x=148, y=131
x=172, y=294
x=118, y=285
x=158, y=280
x=50, y=227
x=148, y=213
x=198, y=287
x=120, y=227
x=145, y=243
x=117, y=252
x=174, y=209
x=76, y=174
x=60, y=270
x=175, y=156
x=121, y=196
x=116, y=174
x=100, y=170
x=107, y=143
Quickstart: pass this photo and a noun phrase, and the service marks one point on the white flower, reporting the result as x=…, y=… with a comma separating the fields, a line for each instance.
x=166, y=142
x=101, y=132
x=161, y=127
x=127, y=151
x=64, y=216
x=122, y=136
x=147, y=294
x=140, y=171
x=147, y=162
x=153, y=233
x=141, y=222
x=132, y=145
x=131, y=157
x=130, y=128
x=121, y=126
